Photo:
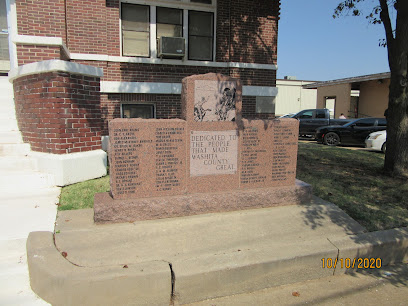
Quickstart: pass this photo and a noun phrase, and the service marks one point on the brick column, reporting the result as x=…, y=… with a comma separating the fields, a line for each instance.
x=59, y=112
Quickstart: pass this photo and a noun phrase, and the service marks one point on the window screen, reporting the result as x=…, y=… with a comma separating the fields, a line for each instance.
x=169, y=22
x=201, y=35
x=145, y=111
x=135, y=30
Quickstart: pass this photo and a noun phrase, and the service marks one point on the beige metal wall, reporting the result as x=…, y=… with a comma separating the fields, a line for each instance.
x=373, y=98
x=341, y=92
x=292, y=97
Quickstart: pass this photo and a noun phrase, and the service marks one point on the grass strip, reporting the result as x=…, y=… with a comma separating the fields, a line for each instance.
x=354, y=181
x=81, y=195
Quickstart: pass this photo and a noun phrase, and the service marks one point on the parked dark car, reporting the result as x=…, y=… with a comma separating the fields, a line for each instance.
x=311, y=119
x=355, y=132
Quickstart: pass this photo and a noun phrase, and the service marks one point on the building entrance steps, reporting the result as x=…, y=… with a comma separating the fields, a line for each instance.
x=195, y=258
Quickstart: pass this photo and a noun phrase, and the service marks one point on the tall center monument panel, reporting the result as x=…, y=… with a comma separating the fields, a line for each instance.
x=212, y=106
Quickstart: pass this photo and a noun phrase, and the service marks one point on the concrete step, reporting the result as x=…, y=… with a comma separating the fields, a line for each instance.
x=24, y=212
x=41, y=193
x=17, y=163
x=209, y=255
x=37, y=216
x=8, y=124
x=8, y=115
x=8, y=112
x=10, y=137
x=7, y=107
x=20, y=149
x=25, y=180
x=5, y=86
x=6, y=97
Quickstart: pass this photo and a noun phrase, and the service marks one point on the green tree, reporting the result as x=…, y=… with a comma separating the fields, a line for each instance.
x=396, y=42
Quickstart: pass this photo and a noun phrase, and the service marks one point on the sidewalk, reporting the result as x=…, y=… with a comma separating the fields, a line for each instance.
x=387, y=286
x=24, y=211
x=190, y=259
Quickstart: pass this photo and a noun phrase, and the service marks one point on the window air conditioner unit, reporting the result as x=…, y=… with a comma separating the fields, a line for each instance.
x=172, y=47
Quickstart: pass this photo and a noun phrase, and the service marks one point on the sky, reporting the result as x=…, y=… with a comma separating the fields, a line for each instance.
x=314, y=46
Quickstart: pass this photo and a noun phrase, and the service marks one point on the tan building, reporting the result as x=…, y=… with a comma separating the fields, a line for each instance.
x=357, y=97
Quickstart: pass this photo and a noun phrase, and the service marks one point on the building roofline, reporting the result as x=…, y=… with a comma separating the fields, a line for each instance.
x=363, y=78
x=286, y=80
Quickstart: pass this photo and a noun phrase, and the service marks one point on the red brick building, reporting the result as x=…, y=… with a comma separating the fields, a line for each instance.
x=138, y=51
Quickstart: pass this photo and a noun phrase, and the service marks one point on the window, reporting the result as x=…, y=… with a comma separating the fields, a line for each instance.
x=169, y=22
x=306, y=115
x=365, y=122
x=320, y=113
x=135, y=30
x=265, y=105
x=200, y=35
x=202, y=1
x=193, y=20
x=4, y=48
x=145, y=111
x=382, y=122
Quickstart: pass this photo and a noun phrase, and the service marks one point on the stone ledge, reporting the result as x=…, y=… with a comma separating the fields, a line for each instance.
x=108, y=210
x=72, y=168
x=59, y=282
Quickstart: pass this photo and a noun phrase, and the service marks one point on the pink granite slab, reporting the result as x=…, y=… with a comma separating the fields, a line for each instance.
x=147, y=157
x=108, y=210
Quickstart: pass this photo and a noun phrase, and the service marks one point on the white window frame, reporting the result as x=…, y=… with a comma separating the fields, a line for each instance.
x=185, y=5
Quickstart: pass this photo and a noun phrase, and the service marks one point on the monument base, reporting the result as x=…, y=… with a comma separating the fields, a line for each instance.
x=108, y=210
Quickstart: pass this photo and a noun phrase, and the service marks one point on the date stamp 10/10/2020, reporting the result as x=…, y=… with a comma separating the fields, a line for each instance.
x=352, y=263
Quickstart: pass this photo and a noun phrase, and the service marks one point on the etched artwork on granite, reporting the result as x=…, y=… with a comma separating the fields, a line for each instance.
x=214, y=101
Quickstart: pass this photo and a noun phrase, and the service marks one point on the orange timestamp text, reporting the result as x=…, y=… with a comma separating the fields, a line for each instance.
x=352, y=263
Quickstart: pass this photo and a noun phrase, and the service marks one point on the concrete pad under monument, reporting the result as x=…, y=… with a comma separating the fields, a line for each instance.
x=210, y=160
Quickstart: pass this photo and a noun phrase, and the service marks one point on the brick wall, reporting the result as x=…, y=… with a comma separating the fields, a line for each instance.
x=27, y=54
x=41, y=18
x=87, y=26
x=59, y=112
x=247, y=31
x=167, y=106
x=112, y=24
